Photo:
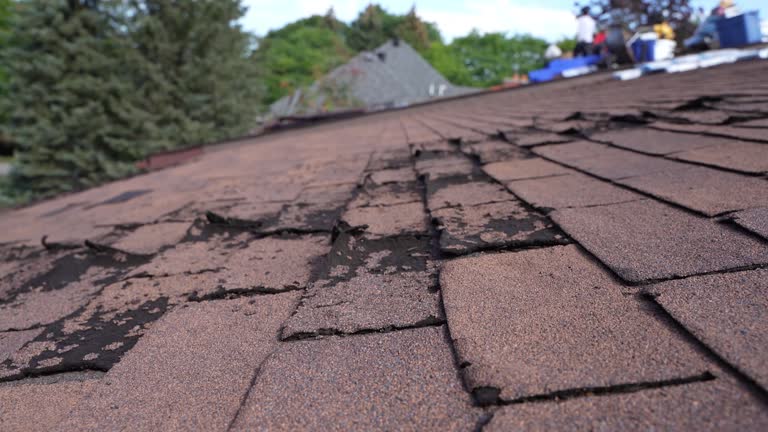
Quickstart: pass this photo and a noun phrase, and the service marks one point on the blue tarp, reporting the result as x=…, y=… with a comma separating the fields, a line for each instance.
x=556, y=67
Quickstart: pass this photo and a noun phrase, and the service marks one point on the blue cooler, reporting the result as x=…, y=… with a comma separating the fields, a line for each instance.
x=740, y=30
x=644, y=50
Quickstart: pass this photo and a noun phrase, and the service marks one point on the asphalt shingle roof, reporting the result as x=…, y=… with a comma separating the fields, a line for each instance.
x=586, y=254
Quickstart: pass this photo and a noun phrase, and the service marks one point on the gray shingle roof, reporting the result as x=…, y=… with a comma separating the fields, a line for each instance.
x=393, y=75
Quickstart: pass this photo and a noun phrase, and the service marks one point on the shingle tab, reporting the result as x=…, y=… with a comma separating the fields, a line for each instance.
x=755, y=220
x=741, y=156
x=503, y=224
x=466, y=195
x=727, y=313
x=40, y=406
x=191, y=372
x=393, y=381
x=704, y=190
x=646, y=240
x=607, y=162
x=572, y=190
x=547, y=320
x=523, y=169
x=657, y=142
x=712, y=406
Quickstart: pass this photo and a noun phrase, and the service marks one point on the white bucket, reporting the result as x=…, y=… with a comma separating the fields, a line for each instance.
x=665, y=49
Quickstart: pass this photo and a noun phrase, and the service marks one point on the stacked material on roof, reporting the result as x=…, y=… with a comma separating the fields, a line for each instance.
x=692, y=62
x=392, y=76
x=565, y=68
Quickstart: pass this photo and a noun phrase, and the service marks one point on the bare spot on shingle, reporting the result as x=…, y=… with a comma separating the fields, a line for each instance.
x=489, y=226
x=191, y=371
x=389, y=221
x=62, y=285
x=465, y=194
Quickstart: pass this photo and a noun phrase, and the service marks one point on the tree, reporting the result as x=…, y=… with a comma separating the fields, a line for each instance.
x=74, y=112
x=6, y=11
x=300, y=53
x=199, y=81
x=374, y=26
x=488, y=58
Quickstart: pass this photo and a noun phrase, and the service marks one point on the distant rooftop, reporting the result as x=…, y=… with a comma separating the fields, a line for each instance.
x=391, y=76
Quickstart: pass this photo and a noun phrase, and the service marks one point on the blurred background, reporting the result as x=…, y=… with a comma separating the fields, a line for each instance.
x=91, y=89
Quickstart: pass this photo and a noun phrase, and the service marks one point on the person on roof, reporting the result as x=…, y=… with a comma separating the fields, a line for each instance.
x=585, y=33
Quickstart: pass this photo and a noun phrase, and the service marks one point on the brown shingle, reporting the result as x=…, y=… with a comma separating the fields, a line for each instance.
x=504, y=224
x=389, y=220
x=755, y=220
x=712, y=406
x=607, y=162
x=191, y=372
x=727, y=313
x=645, y=240
x=547, y=320
x=466, y=194
x=657, y=142
x=40, y=406
x=10, y=342
x=523, y=169
x=704, y=190
x=403, y=381
x=572, y=190
x=741, y=156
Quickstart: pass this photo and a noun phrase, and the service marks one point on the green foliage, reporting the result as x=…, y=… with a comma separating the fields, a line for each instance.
x=299, y=54
x=485, y=60
x=199, y=83
x=6, y=13
x=73, y=115
x=374, y=26
x=97, y=85
x=567, y=44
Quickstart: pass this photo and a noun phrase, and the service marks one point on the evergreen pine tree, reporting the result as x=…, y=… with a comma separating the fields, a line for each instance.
x=200, y=83
x=73, y=114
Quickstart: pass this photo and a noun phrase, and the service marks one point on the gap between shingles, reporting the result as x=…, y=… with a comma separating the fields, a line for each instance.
x=669, y=320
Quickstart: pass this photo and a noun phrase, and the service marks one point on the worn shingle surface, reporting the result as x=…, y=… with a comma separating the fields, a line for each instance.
x=588, y=254
x=537, y=322
x=204, y=358
x=403, y=381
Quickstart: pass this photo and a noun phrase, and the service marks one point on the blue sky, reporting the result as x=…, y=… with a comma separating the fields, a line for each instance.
x=550, y=19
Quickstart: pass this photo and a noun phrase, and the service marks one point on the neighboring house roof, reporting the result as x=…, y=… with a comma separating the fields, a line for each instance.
x=393, y=75
x=603, y=266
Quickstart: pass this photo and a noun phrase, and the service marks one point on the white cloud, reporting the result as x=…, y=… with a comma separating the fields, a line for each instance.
x=502, y=16
x=454, y=18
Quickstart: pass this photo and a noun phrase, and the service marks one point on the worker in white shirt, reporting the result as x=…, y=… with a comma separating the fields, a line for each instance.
x=585, y=33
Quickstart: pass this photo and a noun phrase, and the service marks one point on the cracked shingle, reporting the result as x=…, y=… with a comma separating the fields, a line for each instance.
x=403, y=380
x=190, y=372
